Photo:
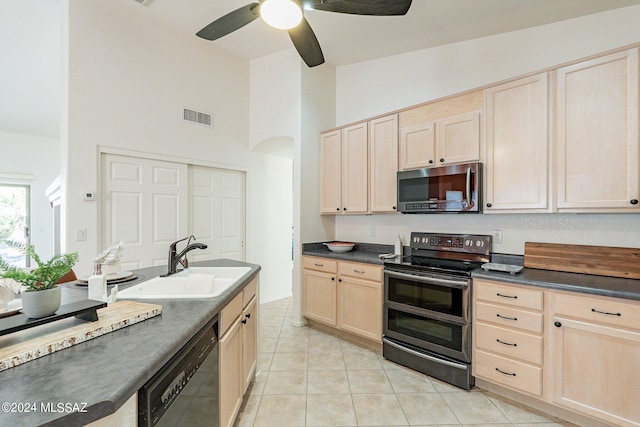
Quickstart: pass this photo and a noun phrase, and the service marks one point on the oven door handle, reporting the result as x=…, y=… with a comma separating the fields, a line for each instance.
x=432, y=280
x=427, y=357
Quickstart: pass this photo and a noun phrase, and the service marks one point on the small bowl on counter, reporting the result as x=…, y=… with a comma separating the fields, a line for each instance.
x=339, y=246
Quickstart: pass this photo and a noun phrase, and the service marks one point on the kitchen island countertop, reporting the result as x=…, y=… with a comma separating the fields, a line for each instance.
x=101, y=374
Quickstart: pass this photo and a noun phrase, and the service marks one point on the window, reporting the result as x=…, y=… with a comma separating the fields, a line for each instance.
x=14, y=223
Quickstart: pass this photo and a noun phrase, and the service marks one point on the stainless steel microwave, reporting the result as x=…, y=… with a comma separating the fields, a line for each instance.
x=446, y=189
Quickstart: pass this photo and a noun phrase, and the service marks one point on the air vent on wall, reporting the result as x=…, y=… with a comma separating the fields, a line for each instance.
x=198, y=117
x=143, y=2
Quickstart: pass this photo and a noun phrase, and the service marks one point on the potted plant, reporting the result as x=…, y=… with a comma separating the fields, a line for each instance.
x=40, y=295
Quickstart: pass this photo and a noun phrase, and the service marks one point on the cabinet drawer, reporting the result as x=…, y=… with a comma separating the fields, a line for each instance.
x=249, y=291
x=508, y=342
x=360, y=270
x=509, y=317
x=230, y=313
x=508, y=295
x=320, y=264
x=517, y=375
x=606, y=311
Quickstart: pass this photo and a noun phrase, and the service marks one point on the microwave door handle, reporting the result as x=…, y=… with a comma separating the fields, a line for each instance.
x=468, y=187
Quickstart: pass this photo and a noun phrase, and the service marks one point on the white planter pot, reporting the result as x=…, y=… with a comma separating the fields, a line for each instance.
x=37, y=304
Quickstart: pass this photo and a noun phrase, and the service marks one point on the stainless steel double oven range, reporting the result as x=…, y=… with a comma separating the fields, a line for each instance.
x=427, y=305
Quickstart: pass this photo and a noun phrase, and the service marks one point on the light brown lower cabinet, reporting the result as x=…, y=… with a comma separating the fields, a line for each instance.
x=238, y=351
x=345, y=295
x=575, y=353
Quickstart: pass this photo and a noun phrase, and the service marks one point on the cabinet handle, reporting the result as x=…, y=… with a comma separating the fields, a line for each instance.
x=248, y=316
x=394, y=208
x=441, y=160
x=606, y=312
x=344, y=209
x=358, y=271
x=318, y=265
x=507, y=296
x=430, y=162
x=506, y=318
x=243, y=321
x=506, y=343
x=557, y=324
x=488, y=205
x=340, y=280
x=338, y=209
x=333, y=278
x=634, y=201
x=511, y=374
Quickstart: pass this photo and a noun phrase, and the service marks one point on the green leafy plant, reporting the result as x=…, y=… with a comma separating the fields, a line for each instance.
x=43, y=277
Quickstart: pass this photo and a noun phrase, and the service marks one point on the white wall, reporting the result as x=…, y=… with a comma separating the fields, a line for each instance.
x=128, y=77
x=39, y=157
x=375, y=87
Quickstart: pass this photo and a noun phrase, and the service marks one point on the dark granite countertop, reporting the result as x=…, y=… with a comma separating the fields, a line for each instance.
x=573, y=282
x=362, y=252
x=106, y=371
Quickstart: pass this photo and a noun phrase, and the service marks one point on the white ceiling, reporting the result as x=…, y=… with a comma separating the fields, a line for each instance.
x=30, y=39
x=347, y=39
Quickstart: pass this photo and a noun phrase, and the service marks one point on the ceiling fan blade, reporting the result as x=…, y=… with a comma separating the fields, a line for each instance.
x=230, y=22
x=305, y=41
x=362, y=7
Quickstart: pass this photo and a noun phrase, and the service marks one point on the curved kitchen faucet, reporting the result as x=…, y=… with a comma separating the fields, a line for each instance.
x=175, y=257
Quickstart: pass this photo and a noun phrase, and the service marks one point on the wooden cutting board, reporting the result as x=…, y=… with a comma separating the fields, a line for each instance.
x=24, y=346
x=598, y=260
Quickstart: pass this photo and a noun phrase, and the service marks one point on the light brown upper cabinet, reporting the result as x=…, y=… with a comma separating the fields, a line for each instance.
x=383, y=163
x=517, y=141
x=597, y=134
x=344, y=170
x=441, y=133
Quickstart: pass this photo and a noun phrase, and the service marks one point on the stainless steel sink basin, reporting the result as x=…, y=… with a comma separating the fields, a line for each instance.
x=195, y=282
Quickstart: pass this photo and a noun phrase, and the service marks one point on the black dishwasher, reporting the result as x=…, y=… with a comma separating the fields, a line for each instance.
x=184, y=392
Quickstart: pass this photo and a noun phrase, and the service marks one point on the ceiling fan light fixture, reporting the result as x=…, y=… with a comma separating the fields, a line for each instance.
x=281, y=14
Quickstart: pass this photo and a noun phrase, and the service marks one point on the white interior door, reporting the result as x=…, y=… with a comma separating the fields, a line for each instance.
x=217, y=206
x=144, y=204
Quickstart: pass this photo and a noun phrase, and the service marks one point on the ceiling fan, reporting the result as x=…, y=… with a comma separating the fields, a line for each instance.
x=288, y=15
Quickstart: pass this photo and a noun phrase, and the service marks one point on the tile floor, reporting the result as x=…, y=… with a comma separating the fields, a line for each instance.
x=310, y=378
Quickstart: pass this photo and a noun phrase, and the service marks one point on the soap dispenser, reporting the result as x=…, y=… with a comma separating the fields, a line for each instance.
x=97, y=284
x=398, y=248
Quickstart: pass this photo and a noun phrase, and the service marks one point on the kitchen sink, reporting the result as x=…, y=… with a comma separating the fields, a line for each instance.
x=195, y=282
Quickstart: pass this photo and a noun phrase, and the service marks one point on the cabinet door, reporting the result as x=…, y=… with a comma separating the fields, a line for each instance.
x=230, y=374
x=331, y=172
x=320, y=297
x=360, y=307
x=597, y=134
x=517, y=161
x=596, y=370
x=249, y=342
x=355, y=170
x=417, y=146
x=383, y=162
x=458, y=139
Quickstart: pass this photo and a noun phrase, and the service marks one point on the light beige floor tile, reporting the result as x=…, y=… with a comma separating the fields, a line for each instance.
x=292, y=344
x=270, y=331
x=267, y=345
x=327, y=382
x=264, y=361
x=351, y=346
x=361, y=360
x=324, y=344
x=378, y=410
x=286, y=382
x=248, y=411
x=369, y=381
x=426, y=409
x=407, y=381
x=289, y=362
x=294, y=331
x=326, y=361
x=473, y=408
x=281, y=411
x=271, y=322
x=518, y=413
x=330, y=410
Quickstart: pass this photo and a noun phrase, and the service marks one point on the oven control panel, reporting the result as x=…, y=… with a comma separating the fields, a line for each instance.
x=469, y=243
